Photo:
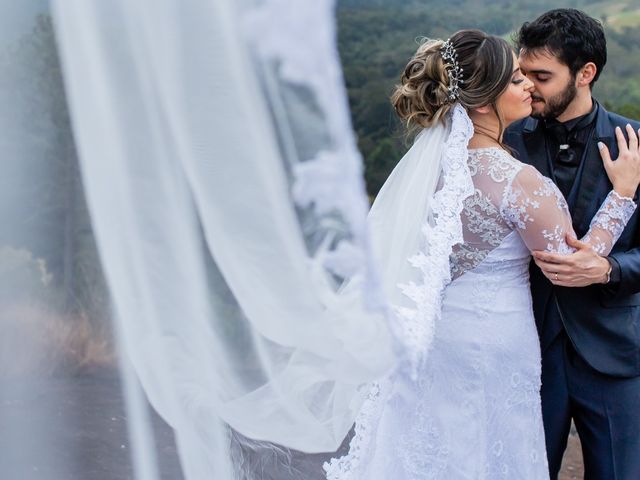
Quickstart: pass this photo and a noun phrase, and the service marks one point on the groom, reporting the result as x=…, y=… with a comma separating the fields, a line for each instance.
x=587, y=307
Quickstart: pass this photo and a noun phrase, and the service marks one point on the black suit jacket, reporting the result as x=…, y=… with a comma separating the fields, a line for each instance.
x=602, y=321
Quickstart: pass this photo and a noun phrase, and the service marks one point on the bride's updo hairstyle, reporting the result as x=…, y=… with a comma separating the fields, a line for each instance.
x=423, y=96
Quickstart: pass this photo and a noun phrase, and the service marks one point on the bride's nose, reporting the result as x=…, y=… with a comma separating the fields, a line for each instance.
x=528, y=84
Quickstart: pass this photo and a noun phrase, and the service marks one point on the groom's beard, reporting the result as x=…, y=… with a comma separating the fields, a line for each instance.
x=556, y=105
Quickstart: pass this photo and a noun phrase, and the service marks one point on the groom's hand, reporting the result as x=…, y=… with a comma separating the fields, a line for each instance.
x=581, y=268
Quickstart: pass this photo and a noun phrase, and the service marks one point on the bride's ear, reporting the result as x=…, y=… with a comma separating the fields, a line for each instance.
x=482, y=110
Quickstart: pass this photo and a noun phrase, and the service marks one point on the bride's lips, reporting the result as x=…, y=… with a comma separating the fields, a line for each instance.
x=527, y=100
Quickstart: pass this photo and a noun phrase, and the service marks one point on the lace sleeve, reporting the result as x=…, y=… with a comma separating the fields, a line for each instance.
x=533, y=205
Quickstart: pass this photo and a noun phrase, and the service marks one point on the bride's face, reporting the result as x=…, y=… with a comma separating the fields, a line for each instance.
x=515, y=102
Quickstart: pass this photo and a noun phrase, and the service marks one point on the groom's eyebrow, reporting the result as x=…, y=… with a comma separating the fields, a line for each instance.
x=545, y=72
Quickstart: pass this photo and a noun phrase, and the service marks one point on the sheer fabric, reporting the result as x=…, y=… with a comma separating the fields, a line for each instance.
x=511, y=196
x=417, y=216
x=474, y=410
x=432, y=182
x=306, y=349
x=62, y=412
x=481, y=379
x=225, y=193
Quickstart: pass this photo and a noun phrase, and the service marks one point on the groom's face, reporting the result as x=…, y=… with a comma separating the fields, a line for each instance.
x=554, y=85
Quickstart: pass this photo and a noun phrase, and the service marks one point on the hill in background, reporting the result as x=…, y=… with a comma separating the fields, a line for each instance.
x=377, y=37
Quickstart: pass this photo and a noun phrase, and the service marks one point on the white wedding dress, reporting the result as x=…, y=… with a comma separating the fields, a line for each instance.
x=473, y=411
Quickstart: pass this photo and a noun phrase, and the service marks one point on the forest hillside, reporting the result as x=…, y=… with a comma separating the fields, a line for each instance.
x=377, y=37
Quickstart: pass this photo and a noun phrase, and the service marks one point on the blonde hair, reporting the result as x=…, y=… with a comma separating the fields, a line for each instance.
x=422, y=97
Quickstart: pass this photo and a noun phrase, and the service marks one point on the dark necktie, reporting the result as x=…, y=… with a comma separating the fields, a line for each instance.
x=567, y=158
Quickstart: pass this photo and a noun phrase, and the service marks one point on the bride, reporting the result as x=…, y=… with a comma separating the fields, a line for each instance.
x=466, y=214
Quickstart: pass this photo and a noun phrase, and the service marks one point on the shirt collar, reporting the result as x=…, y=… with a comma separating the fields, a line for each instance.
x=577, y=123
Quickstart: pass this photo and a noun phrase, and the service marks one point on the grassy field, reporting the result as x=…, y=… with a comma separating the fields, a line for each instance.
x=616, y=14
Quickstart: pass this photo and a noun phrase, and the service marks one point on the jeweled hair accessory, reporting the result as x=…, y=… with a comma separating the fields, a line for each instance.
x=454, y=70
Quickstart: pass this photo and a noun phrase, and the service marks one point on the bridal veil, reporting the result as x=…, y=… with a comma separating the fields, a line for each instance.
x=225, y=199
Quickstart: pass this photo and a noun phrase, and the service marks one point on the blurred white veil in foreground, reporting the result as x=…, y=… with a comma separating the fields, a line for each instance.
x=225, y=192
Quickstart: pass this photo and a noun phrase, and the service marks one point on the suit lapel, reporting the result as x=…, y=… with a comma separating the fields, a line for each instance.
x=536, y=147
x=593, y=182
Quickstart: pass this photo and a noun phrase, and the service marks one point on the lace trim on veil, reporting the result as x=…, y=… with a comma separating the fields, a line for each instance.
x=331, y=178
x=441, y=233
x=417, y=325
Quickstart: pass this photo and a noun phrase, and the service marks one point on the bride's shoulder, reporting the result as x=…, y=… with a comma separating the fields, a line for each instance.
x=494, y=154
x=496, y=162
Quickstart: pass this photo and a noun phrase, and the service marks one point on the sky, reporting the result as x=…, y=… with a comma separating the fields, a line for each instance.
x=17, y=17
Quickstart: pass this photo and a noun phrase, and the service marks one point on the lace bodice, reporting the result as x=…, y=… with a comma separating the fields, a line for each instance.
x=510, y=195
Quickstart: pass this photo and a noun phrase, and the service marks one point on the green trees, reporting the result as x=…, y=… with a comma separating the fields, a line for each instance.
x=43, y=212
x=377, y=37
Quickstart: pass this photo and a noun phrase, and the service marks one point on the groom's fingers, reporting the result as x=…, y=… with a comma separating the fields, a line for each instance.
x=560, y=280
x=543, y=264
x=622, y=142
x=550, y=257
x=550, y=269
x=633, y=139
x=605, y=155
x=575, y=243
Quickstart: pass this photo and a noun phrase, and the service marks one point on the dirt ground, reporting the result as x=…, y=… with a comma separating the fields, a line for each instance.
x=572, y=466
x=87, y=437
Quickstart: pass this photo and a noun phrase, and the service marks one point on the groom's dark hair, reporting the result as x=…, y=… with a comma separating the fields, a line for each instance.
x=571, y=35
